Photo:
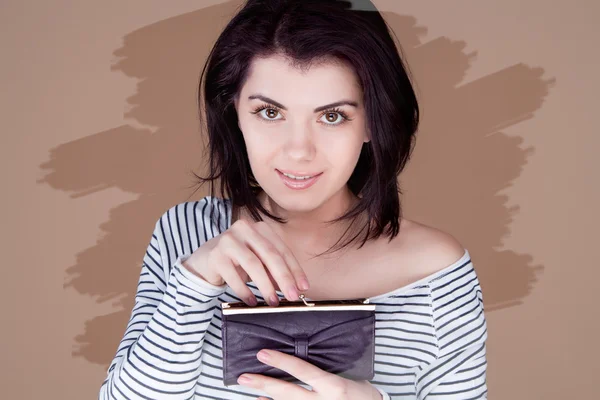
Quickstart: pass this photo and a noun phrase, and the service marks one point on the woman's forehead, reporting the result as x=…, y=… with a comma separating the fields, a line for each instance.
x=279, y=77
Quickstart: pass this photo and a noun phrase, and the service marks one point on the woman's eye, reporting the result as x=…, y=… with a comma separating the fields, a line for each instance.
x=332, y=117
x=269, y=114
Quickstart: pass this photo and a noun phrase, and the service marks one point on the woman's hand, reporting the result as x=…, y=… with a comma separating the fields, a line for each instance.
x=250, y=252
x=325, y=385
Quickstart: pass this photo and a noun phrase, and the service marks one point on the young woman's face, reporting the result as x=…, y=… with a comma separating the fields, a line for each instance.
x=286, y=128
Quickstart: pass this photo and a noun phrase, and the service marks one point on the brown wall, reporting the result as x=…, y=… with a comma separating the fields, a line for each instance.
x=100, y=132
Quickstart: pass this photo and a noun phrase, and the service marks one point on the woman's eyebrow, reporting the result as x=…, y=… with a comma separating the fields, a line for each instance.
x=321, y=108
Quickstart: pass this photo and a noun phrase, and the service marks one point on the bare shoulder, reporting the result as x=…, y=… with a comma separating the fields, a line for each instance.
x=426, y=249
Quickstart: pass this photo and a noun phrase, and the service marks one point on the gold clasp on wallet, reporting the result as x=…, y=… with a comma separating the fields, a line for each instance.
x=303, y=298
x=240, y=307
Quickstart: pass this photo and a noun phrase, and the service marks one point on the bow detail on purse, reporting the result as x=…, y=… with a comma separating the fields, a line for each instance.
x=330, y=348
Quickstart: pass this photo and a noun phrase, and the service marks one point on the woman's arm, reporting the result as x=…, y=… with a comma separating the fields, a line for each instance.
x=459, y=370
x=159, y=355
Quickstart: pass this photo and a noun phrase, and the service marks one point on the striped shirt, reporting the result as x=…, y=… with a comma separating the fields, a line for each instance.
x=430, y=336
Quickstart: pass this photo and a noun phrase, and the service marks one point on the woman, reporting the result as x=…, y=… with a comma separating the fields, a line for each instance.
x=311, y=117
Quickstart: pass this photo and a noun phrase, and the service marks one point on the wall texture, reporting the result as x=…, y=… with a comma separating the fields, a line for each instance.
x=100, y=134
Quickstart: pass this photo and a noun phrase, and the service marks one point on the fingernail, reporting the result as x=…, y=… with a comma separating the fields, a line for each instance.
x=274, y=300
x=303, y=284
x=252, y=301
x=244, y=379
x=263, y=355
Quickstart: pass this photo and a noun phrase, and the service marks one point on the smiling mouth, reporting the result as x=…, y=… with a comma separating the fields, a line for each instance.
x=297, y=174
x=298, y=184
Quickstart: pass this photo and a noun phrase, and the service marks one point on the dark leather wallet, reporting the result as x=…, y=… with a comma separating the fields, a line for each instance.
x=337, y=336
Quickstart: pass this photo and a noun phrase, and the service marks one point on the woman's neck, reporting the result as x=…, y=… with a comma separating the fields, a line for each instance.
x=308, y=229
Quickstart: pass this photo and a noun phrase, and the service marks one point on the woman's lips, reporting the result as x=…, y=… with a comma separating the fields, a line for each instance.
x=297, y=184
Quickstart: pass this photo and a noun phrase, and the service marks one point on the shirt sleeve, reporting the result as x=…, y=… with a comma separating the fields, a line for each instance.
x=384, y=395
x=459, y=370
x=159, y=355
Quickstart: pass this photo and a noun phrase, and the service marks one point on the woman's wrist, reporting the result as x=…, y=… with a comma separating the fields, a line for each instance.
x=196, y=276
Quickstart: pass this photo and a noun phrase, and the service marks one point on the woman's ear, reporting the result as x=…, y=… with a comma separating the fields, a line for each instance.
x=367, y=133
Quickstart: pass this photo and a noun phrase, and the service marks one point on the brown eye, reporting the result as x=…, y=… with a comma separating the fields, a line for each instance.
x=332, y=117
x=271, y=113
x=266, y=113
x=335, y=117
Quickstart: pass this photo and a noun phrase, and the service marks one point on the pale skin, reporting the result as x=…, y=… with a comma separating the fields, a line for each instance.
x=300, y=139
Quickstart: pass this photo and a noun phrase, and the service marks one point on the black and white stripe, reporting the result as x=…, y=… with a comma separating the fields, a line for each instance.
x=430, y=335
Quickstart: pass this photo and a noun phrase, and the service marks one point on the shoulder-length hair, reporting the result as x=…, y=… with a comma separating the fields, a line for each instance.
x=306, y=32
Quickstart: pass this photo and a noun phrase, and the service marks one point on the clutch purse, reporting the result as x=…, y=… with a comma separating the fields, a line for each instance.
x=338, y=336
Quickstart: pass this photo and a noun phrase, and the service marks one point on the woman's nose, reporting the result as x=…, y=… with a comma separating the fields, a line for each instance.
x=300, y=141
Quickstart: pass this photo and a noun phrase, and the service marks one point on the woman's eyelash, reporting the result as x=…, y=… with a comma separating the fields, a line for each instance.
x=331, y=110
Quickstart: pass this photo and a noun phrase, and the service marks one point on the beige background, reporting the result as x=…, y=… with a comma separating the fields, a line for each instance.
x=100, y=133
